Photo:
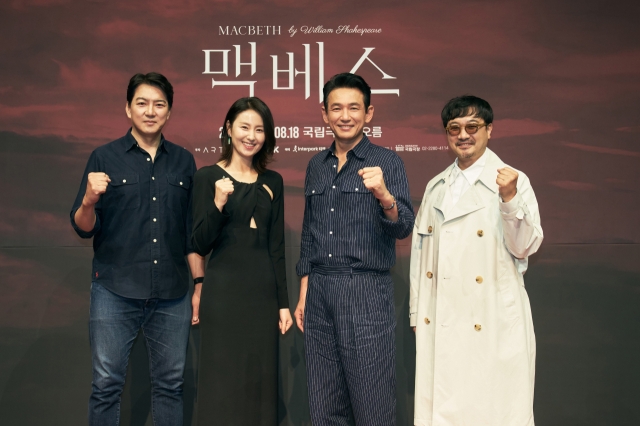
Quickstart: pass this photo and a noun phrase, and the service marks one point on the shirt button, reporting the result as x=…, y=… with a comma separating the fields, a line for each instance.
x=430, y=229
x=180, y=183
x=155, y=241
x=479, y=279
x=313, y=192
x=330, y=232
x=329, y=254
x=334, y=165
x=480, y=233
x=154, y=198
x=155, y=261
x=331, y=209
x=356, y=189
x=478, y=327
x=148, y=159
x=334, y=187
x=152, y=178
x=426, y=321
x=124, y=181
x=154, y=219
x=429, y=274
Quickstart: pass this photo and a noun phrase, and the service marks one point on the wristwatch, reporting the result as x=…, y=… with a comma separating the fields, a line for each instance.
x=391, y=206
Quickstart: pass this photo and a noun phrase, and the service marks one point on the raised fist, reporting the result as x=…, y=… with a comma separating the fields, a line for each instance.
x=224, y=188
x=97, y=183
x=507, y=180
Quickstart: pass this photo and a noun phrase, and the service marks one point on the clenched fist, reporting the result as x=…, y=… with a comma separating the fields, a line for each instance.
x=507, y=180
x=97, y=183
x=374, y=181
x=224, y=188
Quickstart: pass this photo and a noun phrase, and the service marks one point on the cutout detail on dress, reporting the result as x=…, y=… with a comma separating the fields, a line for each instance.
x=268, y=190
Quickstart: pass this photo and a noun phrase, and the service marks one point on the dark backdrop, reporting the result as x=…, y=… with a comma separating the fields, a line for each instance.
x=563, y=78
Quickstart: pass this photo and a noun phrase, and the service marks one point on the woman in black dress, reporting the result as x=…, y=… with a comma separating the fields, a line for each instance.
x=238, y=212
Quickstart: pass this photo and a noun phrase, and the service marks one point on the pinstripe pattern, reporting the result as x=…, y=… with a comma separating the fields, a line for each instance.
x=343, y=222
x=349, y=341
x=349, y=319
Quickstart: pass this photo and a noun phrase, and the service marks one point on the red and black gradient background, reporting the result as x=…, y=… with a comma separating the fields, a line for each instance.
x=563, y=78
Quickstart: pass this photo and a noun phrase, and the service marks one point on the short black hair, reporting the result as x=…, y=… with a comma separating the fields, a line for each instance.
x=265, y=155
x=348, y=81
x=466, y=105
x=152, y=79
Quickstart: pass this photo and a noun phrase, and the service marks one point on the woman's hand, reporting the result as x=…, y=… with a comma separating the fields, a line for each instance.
x=195, y=304
x=285, y=320
x=224, y=188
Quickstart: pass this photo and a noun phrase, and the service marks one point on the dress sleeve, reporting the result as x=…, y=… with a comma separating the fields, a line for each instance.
x=276, y=242
x=208, y=221
x=188, y=245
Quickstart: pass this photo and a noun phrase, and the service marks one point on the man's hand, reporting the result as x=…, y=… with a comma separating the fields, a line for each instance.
x=224, y=188
x=374, y=181
x=97, y=183
x=507, y=180
x=299, y=312
x=195, y=304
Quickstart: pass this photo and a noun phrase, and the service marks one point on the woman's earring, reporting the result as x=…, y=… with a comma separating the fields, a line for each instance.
x=229, y=141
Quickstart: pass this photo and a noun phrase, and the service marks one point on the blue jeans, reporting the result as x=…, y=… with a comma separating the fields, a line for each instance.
x=114, y=322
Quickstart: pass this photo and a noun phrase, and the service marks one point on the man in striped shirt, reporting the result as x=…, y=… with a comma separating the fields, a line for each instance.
x=357, y=204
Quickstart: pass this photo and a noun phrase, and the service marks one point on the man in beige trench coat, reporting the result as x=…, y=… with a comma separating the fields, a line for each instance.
x=477, y=224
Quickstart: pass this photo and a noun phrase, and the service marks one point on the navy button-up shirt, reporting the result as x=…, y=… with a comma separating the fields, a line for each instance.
x=344, y=224
x=143, y=221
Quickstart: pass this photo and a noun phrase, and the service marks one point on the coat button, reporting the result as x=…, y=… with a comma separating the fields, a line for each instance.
x=430, y=229
x=426, y=321
x=479, y=279
x=480, y=233
x=478, y=327
x=429, y=274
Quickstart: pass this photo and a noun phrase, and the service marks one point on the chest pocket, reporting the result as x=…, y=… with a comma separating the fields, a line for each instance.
x=178, y=192
x=123, y=192
x=313, y=191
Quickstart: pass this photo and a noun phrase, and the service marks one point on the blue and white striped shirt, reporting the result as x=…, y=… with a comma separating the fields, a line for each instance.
x=344, y=224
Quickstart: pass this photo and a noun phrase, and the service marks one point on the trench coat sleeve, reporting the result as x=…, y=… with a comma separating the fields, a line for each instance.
x=414, y=276
x=521, y=221
x=415, y=266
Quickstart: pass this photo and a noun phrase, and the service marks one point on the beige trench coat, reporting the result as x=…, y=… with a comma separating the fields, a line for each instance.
x=474, y=332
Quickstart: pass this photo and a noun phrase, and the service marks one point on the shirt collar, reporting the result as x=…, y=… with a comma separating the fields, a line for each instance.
x=129, y=142
x=360, y=150
x=473, y=172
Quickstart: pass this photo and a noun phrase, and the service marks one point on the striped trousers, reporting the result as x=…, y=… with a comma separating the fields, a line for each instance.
x=349, y=340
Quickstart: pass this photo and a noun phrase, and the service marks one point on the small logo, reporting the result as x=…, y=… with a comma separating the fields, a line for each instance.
x=96, y=274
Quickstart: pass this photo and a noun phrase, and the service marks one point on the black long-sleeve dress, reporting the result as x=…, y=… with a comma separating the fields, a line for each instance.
x=243, y=289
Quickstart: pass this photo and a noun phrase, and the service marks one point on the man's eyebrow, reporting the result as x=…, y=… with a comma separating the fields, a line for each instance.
x=140, y=98
x=349, y=104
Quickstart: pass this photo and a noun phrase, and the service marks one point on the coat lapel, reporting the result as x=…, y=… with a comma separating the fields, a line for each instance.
x=441, y=179
x=483, y=191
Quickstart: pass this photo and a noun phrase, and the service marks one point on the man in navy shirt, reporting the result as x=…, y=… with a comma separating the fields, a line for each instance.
x=357, y=204
x=135, y=201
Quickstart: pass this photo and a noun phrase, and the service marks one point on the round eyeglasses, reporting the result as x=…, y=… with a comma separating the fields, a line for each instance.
x=469, y=128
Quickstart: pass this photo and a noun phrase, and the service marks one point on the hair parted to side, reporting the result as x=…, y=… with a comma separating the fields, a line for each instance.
x=265, y=155
x=346, y=80
x=463, y=106
x=152, y=79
